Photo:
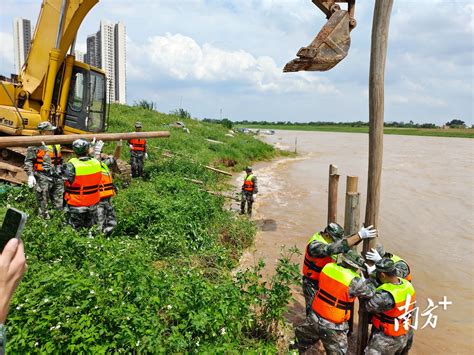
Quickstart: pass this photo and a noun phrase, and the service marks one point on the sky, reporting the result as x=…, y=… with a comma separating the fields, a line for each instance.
x=213, y=56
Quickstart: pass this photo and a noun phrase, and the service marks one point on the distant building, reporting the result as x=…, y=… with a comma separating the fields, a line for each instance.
x=21, y=41
x=106, y=50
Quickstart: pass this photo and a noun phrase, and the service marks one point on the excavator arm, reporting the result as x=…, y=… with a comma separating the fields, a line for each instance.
x=52, y=31
x=332, y=43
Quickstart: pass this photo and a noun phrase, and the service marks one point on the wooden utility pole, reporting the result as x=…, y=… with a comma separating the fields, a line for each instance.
x=352, y=207
x=332, y=193
x=351, y=220
x=378, y=53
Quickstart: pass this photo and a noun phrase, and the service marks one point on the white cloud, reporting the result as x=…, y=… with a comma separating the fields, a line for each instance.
x=182, y=58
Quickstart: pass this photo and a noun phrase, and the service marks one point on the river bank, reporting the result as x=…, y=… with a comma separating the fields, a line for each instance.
x=426, y=212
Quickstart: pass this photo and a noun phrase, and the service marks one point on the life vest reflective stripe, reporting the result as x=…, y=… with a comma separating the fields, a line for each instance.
x=84, y=190
x=389, y=320
x=138, y=144
x=55, y=159
x=106, y=188
x=332, y=300
x=396, y=259
x=248, y=183
x=312, y=266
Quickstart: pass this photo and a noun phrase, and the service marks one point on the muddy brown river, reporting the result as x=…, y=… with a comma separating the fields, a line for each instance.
x=426, y=217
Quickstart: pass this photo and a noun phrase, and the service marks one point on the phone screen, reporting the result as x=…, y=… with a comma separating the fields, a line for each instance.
x=12, y=226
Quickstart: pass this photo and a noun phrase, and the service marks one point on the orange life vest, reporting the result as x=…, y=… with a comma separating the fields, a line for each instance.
x=389, y=321
x=55, y=159
x=332, y=300
x=106, y=188
x=248, y=183
x=84, y=190
x=138, y=144
x=312, y=266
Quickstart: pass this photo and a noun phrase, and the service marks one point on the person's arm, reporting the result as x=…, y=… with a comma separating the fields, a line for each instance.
x=361, y=288
x=69, y=172
x=30, y=160
x=381, y=301
x=255, y=186
x=110, y=160
x=12, y=268
x=320, y=250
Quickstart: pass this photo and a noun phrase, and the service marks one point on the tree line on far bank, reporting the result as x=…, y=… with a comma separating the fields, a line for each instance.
x=455, y=123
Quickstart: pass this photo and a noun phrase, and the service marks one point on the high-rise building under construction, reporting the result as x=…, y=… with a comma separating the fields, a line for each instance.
x=21, y=41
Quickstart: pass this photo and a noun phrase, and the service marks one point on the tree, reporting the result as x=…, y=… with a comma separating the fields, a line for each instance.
x=456, y=124
x=227, y=123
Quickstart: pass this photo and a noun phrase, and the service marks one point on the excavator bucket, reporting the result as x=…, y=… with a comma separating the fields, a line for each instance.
x=328, y=48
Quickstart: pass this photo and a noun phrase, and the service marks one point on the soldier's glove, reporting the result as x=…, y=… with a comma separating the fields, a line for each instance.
x=373, y=255
x=254, y=196
x=119, y=144
x=31, y=181
x=98, y=148
x=370, y=269
x=130, y=146
x=367, y=233
x=146, y=155
x=43, y=143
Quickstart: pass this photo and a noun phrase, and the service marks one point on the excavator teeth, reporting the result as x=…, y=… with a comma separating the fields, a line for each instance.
x=329, y=47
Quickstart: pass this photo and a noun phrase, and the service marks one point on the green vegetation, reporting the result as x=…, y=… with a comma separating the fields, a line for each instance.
x=163, y=282
x=439, y=132
x=147, y=105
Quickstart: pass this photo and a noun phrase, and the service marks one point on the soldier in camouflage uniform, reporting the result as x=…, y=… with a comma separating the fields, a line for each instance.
x=82, y=177
x=106, y=219
x=43, y=167
x=402, y=267
x=387, y=307
x=324, y=248
x=137, y=152
x=331, y=307
x=249, y=191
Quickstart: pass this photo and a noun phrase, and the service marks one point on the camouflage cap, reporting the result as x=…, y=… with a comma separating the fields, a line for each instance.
x=248, y=169
x=334, y=230
x=46, y=126
x=80, y=146
x=138, y=124
x=385, y=265
x=353, y=259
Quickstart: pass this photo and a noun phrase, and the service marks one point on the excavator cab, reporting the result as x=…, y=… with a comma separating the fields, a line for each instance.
x=332, y=43
x=86, y=104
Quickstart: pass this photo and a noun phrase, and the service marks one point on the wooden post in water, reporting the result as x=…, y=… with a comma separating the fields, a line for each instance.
x=378, y=53
x=352, y=207
x=332, y=193
x=351, y=219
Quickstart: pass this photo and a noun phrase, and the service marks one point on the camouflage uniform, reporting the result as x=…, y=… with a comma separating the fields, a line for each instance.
x=79, y=217
x=137, y=162
x=49, y=184
x=332, y=335
x=320, y=250
x=379, y=343
x=106, y=219
x=247, y=197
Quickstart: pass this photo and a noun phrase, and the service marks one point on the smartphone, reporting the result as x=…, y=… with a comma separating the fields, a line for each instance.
x=12, y=226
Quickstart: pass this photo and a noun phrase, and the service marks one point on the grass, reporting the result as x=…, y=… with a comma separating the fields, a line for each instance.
x=438, y=132
x=162, y=283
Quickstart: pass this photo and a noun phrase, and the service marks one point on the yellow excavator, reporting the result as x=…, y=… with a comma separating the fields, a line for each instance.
x=332, y=43
x=52, y=86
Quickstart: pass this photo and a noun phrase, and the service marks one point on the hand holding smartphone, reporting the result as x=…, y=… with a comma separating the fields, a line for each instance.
x=12, y=226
